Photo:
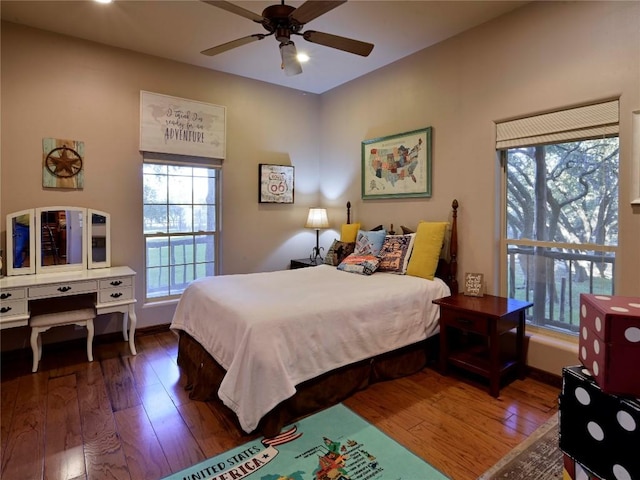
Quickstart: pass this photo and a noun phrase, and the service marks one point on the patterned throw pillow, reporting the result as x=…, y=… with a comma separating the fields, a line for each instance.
x=369, y=242
x=338, y=251
x=395, y=253
x=361, y=264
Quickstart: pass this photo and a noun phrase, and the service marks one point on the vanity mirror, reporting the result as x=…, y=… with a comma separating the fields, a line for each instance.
x=52, y=239
x=21, y=243
x=60, y=239
x=99, y=246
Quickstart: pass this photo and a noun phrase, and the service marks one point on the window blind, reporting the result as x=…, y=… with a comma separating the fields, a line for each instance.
x=184, y=160
x=590, y=121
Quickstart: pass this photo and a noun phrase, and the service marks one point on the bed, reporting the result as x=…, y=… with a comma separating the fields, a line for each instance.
x=275, y=346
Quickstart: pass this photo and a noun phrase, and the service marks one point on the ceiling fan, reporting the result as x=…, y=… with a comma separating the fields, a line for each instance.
x=283, y=21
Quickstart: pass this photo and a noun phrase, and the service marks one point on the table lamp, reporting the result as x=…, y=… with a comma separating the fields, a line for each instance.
x=317, y=219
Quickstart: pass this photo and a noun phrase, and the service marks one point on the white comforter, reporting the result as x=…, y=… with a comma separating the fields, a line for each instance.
x=274, y=330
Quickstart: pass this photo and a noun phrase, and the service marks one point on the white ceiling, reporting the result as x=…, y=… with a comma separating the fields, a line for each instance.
x=180, y=30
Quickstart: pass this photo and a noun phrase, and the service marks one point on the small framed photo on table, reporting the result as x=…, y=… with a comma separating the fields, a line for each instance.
x=474, y=284
x=275, y=183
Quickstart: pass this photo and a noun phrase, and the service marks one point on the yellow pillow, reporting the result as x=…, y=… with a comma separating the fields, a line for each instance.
x=349, y=232
x=426, y=249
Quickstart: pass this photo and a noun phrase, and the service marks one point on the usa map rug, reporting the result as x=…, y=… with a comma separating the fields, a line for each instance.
x=335, y=444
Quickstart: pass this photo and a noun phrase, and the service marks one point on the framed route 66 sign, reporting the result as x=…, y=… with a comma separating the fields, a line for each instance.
x=275, y=183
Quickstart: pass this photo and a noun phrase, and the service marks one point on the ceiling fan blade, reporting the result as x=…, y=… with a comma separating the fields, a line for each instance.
x=230, y=7
x=232, y=44
x=341, y=43
x=313, y=9
x=290, y=63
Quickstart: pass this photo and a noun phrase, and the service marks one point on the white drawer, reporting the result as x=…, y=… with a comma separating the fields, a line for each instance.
x=108, y=295
x=116, y=282
x=10, y=308
x=13, y=294
x=63, y=289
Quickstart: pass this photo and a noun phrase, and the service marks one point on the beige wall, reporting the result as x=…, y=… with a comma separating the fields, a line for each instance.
x=544, y=56
x=56, y=86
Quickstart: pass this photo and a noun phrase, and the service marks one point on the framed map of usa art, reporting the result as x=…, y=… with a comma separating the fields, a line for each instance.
x=397, y=166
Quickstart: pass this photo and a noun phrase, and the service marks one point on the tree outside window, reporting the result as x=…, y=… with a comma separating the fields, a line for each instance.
x=561, y=226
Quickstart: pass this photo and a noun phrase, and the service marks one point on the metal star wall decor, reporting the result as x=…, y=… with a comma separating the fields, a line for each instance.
x=62, y=164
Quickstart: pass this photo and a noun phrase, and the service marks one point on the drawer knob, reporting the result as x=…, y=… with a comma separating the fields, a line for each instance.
x=4, y=296
x=116, y=283
x=5, y=309
x=64, y=289
x=464, y=321
x=116, y=295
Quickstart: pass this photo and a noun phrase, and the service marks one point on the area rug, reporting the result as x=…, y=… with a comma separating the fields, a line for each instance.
x=334, y=444
x=537, y=458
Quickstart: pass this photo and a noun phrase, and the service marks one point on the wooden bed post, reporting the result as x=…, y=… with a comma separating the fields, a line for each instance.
x=453, y=248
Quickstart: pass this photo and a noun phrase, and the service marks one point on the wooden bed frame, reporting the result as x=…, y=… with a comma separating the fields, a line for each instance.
x=204, y=374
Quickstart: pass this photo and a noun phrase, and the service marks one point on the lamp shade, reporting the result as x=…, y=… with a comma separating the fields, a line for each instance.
x=317, y=218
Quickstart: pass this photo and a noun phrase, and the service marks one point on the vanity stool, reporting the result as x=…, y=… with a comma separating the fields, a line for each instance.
x=41, y=323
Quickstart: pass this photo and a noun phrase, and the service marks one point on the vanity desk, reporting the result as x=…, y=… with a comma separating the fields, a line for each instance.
x=60, y=260
x=111, y=289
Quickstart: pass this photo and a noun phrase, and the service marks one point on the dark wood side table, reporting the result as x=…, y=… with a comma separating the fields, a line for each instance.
x=489, y=317
x=304, y=262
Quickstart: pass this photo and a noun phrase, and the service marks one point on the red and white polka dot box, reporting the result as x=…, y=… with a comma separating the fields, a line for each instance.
x=610, y=342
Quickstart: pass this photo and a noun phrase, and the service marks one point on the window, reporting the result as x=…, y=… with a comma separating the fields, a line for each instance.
x=560, y=199
x=180, y=225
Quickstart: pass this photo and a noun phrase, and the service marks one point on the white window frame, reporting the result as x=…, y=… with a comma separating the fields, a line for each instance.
x=184, y=161
x=563, y=126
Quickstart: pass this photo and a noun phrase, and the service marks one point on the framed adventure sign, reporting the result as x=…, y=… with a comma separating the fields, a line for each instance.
x=474, y=284
x=180, y=126
x=275, y=183
x=397, y=166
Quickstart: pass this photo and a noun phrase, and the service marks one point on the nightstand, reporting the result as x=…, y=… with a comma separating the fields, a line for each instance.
x=304, y=262
x=486, y=318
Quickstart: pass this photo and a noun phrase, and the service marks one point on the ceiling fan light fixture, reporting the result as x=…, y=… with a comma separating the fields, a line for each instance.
x=283, y=35
x=302, y=57
x=290, y=63
x=282, y=21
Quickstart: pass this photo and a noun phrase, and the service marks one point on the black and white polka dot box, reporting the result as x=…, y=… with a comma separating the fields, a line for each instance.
x=609, y=344
x=600, y=431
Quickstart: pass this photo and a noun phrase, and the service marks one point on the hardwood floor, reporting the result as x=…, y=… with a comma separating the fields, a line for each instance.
x=128, y=417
